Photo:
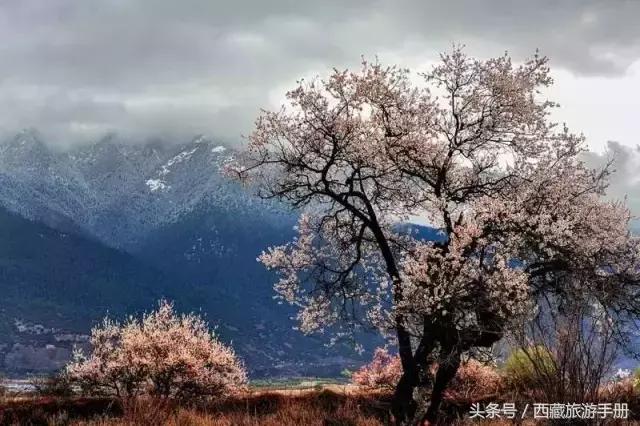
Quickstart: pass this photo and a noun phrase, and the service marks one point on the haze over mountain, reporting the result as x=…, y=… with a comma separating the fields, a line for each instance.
x=113, y=226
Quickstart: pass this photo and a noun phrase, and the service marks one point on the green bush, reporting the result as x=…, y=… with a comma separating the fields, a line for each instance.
x=635, y=378
x=528, y=367
x=346, y=373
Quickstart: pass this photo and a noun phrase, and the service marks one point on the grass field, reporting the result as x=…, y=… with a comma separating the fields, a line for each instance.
x=295, y=404
x=287, y=403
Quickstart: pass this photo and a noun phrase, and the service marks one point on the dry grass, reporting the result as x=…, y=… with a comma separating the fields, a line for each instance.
x=54, y=410
x=338, y=406
x=311, y=408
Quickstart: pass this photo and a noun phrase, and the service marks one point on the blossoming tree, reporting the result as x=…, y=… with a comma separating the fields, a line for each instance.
x=165, y=355
x=383, y=371
x=473, y=151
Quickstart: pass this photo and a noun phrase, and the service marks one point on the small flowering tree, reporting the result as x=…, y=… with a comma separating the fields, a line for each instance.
x=474, y=152
x=165, y=355
x=382, y=372
x=473, y=380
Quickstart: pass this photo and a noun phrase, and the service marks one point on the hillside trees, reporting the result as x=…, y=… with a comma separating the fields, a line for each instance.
x=473, y=151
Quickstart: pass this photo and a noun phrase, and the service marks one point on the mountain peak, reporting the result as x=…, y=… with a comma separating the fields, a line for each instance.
x=28, y=139
x=25, y=151
x=216, y=148
x=201, y=139
x=28, y=135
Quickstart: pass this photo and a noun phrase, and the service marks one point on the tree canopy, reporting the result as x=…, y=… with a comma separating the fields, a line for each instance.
x=471, y=149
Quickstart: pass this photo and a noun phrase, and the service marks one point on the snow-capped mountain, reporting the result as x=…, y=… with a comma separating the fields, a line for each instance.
x=117, y=192
x=162, y=206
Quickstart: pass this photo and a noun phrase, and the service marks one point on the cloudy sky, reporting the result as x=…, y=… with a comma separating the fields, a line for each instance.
x=77, y=69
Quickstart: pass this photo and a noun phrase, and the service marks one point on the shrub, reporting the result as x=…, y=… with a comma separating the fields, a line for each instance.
x=164, y=355
x=383, y=372
x=474, y=381
x=346, y=373
x=618, y=390
x=635, y=377
x=622, y=389
x=58, y=385
x=528, y=367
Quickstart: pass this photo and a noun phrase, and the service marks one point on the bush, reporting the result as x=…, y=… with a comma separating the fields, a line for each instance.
x=474, y=382
x=635, y=377
x=618, y=390
x=58, y=385
x=383, y=372
x=164, y=355
x=346, y=373
x=528, y=367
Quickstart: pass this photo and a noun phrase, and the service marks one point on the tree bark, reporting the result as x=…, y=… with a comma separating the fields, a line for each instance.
x=412, y=387
x=403, y=406
x=447, y=370
x=410, y=395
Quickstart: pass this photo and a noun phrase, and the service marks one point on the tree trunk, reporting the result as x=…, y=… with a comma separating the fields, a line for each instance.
x=403, y=406
x=414, y=399
x=447, y=369
x=411, y=392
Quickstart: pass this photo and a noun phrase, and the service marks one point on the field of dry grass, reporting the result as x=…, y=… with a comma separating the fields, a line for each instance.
x=268, y=408
x=332, y=405
x=336, y=406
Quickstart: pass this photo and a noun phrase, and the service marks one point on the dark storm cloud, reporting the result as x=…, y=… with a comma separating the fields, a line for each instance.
x=76, y=69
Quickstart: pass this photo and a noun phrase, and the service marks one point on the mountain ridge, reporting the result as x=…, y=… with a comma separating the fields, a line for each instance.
x=168, y=209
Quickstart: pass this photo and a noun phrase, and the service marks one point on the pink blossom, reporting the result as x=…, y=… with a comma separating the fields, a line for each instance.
x=164, y=354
